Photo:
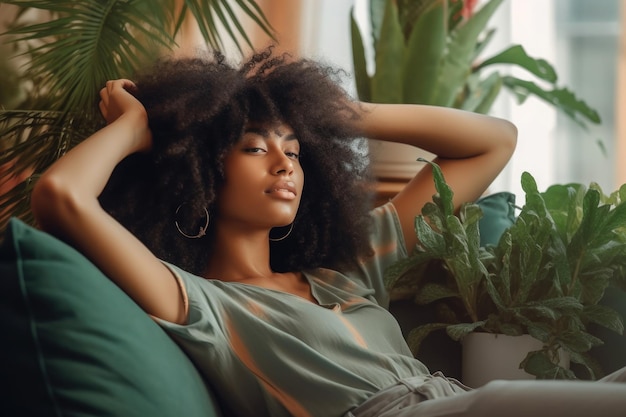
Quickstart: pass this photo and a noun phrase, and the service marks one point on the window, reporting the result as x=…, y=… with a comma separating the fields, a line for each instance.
x=580, y=39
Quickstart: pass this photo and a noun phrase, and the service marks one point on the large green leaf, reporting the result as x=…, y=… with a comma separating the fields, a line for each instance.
x=479, y=98
x=406, y=273
x=562, y=99
x=359, y=62
x=457, y=63
x=483, y=42
x=425, y=49
x=565, y=205
x=443, y=189
x=429, y=239
x=605, y=317
x=431, y=292
x=417, y=335
x=538, y=363
x=387, y=81
x=516, y=55
x=458, y=331
x=410, y=11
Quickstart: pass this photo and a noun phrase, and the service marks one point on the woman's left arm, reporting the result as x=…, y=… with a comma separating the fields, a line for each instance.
x=470, y=148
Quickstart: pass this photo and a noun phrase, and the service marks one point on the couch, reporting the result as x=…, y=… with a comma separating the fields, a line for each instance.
x=74, y=344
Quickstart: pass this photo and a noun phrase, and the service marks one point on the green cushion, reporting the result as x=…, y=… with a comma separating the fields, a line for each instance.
x=73, y=344
x=498, y=215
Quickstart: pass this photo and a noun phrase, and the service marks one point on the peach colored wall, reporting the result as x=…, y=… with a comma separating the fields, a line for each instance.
x=285, y=17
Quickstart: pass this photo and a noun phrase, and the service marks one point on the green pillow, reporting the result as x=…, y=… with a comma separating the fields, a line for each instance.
x=498, y=215
x=74, y=344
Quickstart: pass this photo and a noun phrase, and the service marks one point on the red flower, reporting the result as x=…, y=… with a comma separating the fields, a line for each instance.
x=467, y=10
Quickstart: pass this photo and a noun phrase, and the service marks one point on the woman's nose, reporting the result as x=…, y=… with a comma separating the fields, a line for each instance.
x=283, y=165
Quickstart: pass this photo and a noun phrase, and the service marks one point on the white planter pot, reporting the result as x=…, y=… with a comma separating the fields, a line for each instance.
x=488, y=356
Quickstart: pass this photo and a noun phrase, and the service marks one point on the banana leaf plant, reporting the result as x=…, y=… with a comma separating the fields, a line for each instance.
x=545, y=276
x=429, y=52
x=68, y=56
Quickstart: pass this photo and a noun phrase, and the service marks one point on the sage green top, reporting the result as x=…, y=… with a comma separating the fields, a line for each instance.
x=271, y=353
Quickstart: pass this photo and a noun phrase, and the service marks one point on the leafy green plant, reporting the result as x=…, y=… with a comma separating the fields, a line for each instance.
x=545, y=277
x=426, y=52
x=70, y=54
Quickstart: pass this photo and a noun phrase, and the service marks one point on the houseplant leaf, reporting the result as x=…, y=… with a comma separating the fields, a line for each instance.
x=387, y=81
x=425, y=49
x=605, y=317
x=458, y=331
x=401, y=275
x=361, y=77
x=539, y=364
x=410, y=11
x=561, y=98
x=516, y=55
x=443, y=189
x=479, y=97
x=431, y=292
x=463, y=40
x=417, y=335
x=430, y=239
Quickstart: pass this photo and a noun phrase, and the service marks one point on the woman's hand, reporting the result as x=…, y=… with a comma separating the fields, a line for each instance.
x=117, y=102
x=116, y=99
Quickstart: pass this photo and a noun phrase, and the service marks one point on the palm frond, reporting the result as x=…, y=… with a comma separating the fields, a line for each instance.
x=71, y=55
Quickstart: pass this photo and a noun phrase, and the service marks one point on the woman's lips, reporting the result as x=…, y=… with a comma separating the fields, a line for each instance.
x=284, y=190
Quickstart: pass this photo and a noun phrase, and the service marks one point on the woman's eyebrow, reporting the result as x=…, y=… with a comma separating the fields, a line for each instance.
x=266, y=134
x=291, y=136
x=259, y=131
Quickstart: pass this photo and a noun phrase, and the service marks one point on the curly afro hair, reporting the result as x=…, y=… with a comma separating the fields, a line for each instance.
x=198, y=109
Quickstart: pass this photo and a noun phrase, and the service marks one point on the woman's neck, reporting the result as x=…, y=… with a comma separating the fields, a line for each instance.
x=239, y=257
x=245, y=259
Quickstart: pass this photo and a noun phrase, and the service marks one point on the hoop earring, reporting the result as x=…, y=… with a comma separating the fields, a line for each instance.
x=202, y=231
x=282, y=237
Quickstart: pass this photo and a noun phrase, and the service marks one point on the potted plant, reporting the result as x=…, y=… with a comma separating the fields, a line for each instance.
x=545, y=277
x=67, y=50
x=430, y=52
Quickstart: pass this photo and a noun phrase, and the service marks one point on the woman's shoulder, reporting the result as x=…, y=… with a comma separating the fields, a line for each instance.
x=386, y=234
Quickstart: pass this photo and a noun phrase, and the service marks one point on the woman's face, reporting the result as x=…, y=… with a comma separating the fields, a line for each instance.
x=263, y=178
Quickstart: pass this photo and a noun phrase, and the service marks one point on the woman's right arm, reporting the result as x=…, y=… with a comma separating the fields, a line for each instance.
x=65, y=203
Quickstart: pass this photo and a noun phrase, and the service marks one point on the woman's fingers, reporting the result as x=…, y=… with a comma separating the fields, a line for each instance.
x=104, y=102
x=124, y=83
x=115, y=99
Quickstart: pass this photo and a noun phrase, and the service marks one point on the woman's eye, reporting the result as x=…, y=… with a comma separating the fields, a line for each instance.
x=254, y=150
x=293, y=155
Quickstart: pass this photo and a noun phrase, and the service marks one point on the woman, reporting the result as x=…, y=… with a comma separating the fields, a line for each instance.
x=232, y=206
